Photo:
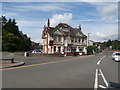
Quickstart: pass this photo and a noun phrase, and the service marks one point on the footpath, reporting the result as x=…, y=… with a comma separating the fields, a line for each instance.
x=8, y=64
x=17, y=62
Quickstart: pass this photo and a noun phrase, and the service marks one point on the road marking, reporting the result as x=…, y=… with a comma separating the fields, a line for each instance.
x=44, y=63
x=40, y=64
x=96, y=80
x=101, y=86
x=96, y=84
x=37, y=64
x=99, y=61
x=101, y=74
x=104, y=56
x=104, y=79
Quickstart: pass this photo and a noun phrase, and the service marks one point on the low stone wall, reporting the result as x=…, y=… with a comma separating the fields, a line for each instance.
x=7, y=60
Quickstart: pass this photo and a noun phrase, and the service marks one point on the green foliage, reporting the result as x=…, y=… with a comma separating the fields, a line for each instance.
x=114, y=43
x=11, y=27
x=3, y=19
x=91, y=49
x=108, y=43
x=12, y=38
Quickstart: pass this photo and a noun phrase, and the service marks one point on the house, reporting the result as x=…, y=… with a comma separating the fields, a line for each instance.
x=91, y=43
x=63, y=39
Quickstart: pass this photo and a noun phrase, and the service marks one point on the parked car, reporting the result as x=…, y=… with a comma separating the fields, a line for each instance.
x=36, y=51
x=116, y=56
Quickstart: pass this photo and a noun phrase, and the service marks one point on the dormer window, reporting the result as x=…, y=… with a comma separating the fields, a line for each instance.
x=60, y=28
x=65, y=29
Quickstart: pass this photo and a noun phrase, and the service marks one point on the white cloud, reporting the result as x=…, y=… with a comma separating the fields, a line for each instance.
x=105, y=37
x=60, y=1
x=29, y=23
x=101, y=32
x=43, y=7
x=9, y=14
x=0, y=8
x=107, y=11
x=88, y=20
x=36, y=35
x=32, y=28
x=63, y=18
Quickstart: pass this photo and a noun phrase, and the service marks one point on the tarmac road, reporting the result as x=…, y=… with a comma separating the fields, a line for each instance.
x=71, y=72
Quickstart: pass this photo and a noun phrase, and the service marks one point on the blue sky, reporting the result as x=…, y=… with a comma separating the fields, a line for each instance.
x=98, y=18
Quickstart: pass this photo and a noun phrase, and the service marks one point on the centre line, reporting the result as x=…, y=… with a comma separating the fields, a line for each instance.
x=98, y=63
x=104, y=79
x=96, y=80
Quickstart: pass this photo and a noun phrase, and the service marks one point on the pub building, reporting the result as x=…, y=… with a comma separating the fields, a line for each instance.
x=63, y=39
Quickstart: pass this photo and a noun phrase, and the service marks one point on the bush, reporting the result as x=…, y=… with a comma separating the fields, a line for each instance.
x=91, y=49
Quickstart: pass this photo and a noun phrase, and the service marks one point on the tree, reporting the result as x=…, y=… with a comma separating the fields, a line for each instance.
x=108, y=43
x=11, y=27
x=12, y=38
x=10, y=42
x=114, y=43
x=4, y=20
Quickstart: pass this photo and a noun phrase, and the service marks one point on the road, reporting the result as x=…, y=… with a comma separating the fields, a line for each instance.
x=93, y=71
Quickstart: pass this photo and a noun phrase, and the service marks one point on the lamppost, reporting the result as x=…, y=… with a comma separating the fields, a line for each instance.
x=88, y=39
x=65, y=47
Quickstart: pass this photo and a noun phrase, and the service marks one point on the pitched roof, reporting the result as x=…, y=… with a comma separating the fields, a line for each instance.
x=70, y=30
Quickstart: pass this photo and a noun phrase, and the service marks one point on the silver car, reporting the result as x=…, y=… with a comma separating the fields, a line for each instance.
x=36, y=51
x=116, y=56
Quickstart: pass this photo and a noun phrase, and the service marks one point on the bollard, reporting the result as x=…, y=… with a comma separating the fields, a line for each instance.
x=25, y=54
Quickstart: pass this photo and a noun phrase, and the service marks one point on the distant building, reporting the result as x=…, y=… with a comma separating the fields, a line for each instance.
x=63, y=39
x=36, y=46
x=92, y=43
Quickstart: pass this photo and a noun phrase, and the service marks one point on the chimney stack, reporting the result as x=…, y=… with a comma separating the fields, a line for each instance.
x=48, y=23
x=80, y=27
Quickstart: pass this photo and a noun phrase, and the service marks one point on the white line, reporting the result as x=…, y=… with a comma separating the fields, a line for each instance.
x=102, y=86
x=103, y=78
x=104, y=56
x=98, y=63
x=96, y=80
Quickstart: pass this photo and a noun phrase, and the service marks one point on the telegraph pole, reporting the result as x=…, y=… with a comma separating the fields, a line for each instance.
x=88, y=39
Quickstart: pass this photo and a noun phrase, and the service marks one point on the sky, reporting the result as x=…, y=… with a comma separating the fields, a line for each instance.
x=98, y=18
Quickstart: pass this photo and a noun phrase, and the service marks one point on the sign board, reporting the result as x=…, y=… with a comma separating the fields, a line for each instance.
x=110, y=47
x=65, y=43
x=46, y=36
x=51, y=43
x=99, y=47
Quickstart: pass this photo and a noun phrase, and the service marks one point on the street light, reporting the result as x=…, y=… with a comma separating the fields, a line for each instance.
x=88, y=39
x=65, y=47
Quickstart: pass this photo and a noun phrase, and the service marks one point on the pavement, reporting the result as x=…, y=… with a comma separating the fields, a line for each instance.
x=8, y=65
x=20, y=60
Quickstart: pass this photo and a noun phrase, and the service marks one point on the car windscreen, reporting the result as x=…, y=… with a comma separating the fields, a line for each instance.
x=117, y=54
